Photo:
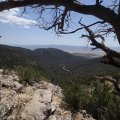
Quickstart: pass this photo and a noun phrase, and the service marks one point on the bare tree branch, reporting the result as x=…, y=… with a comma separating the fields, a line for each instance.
x=98, y=2
x=101, y=12
x=98, y=22
x=104, y=13
x=115, y=82
x=111, y=54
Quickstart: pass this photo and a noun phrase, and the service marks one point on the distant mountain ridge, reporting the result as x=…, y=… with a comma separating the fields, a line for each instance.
x=46, y=55
x=71, y=49
x=55, y=64
x=49, y=61
x=67, y=48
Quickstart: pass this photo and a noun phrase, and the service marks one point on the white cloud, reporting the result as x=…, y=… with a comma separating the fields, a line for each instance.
x=12, y=17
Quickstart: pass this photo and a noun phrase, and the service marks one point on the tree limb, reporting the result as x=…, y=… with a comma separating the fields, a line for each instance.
x=111, y=54
x=112, y=80
x=101, y=12
x=98, y=22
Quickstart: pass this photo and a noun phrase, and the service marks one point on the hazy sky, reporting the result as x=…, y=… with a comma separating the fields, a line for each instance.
x=20, y=30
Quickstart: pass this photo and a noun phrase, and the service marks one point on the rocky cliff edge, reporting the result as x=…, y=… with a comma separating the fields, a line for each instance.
x=42, y=101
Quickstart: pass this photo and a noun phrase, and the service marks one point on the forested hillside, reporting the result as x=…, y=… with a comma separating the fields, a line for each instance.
x=54, y=64
x=49, y=62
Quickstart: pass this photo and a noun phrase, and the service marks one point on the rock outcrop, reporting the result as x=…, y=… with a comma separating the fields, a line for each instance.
x=42, y=101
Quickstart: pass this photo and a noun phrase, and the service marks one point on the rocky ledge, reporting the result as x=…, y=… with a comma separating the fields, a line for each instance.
x=42, y=101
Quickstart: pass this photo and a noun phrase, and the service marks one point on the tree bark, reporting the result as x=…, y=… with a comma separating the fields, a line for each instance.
x=98, y=11
x=111, y=54
x=117, y=29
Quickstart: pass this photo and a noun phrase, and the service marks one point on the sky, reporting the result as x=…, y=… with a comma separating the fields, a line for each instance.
x=21, y=30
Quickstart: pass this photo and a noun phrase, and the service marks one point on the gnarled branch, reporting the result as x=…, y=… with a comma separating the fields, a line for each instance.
x=115, y=82
x=104, y=13
x=111, y=54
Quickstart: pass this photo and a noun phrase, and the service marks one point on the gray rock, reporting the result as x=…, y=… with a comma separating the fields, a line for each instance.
x=39, y=102
x=1, y=71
